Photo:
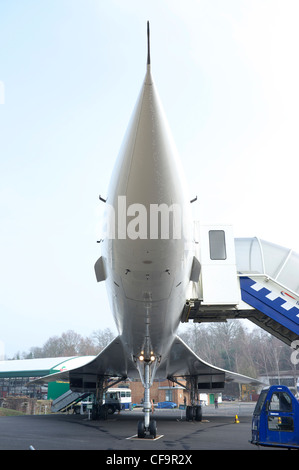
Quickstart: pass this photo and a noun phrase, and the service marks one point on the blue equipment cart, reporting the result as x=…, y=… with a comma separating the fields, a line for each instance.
x=275, y=420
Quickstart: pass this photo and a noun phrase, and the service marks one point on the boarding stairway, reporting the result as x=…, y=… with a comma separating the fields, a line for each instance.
x=268, y=285
x=66, y=400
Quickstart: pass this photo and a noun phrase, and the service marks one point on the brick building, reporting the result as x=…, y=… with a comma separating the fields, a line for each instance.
x=164, y=391
x=160, y=391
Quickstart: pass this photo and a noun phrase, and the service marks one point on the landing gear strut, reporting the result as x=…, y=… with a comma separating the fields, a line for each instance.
x=147, y=426
x=194, y=412
x=100, y=410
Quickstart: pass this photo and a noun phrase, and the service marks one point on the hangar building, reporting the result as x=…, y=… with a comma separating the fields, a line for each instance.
x=15, y=375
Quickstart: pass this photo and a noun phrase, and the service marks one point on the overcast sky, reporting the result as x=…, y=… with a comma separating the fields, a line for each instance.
x=70, y=72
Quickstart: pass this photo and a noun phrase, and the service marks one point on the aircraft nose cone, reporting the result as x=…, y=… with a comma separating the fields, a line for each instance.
x=148, y=168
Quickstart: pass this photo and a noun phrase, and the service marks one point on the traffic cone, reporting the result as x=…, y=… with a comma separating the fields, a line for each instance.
x=237, y=420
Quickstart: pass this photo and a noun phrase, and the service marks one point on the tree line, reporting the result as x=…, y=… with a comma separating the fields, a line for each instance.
x=228, y=345
x=70, y=343
x=232, y=346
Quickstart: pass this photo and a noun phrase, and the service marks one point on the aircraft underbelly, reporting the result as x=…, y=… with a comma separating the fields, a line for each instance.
x=148, y=287
x=162, y=316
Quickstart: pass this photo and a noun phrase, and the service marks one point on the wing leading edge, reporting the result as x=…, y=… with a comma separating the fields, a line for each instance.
x=183, y=362
x=111, y=362
x=114, y=362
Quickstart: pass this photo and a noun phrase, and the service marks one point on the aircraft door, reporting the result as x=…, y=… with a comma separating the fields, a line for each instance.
x=279, y=419
x=259, y=419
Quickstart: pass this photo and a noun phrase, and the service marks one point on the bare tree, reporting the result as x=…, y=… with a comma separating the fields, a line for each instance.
x=102, y=338
x=228, y=345
x=71, y=343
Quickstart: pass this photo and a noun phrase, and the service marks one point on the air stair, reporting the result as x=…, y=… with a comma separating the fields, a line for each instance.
x=67, y=399
x=269, y=283
x=245, y=278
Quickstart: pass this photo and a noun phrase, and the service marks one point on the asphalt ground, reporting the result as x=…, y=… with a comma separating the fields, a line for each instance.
x=116, y=437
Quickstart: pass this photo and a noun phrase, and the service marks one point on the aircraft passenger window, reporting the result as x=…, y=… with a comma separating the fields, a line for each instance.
x=217, y=244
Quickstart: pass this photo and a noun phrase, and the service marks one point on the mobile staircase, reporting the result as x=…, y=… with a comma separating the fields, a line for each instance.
x=66, y=400
x=245, y=278
x=269, y=283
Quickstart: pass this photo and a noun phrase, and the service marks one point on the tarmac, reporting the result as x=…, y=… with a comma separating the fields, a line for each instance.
x=116, y=436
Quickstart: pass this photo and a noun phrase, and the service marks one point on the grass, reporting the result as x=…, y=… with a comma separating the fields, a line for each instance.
x=8, y=412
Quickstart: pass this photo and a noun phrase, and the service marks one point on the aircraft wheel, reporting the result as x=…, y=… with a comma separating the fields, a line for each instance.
x=198, y=413
x=189, y=413
x=141, y=429
x=153, y=428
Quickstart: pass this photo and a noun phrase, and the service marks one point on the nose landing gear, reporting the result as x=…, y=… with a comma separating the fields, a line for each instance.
x=147, y=372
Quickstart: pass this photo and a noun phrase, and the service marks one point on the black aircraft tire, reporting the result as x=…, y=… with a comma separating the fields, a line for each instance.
x=189, y=413
x=153, y=428
x=141, y=430
x=198, y=413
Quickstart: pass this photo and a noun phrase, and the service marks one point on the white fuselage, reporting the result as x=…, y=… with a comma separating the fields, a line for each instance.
x=148, y=256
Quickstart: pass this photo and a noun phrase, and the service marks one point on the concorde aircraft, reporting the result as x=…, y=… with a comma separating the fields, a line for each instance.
x=148, y=262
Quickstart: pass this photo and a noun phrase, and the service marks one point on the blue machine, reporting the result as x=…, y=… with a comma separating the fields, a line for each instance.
x=275, y=420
